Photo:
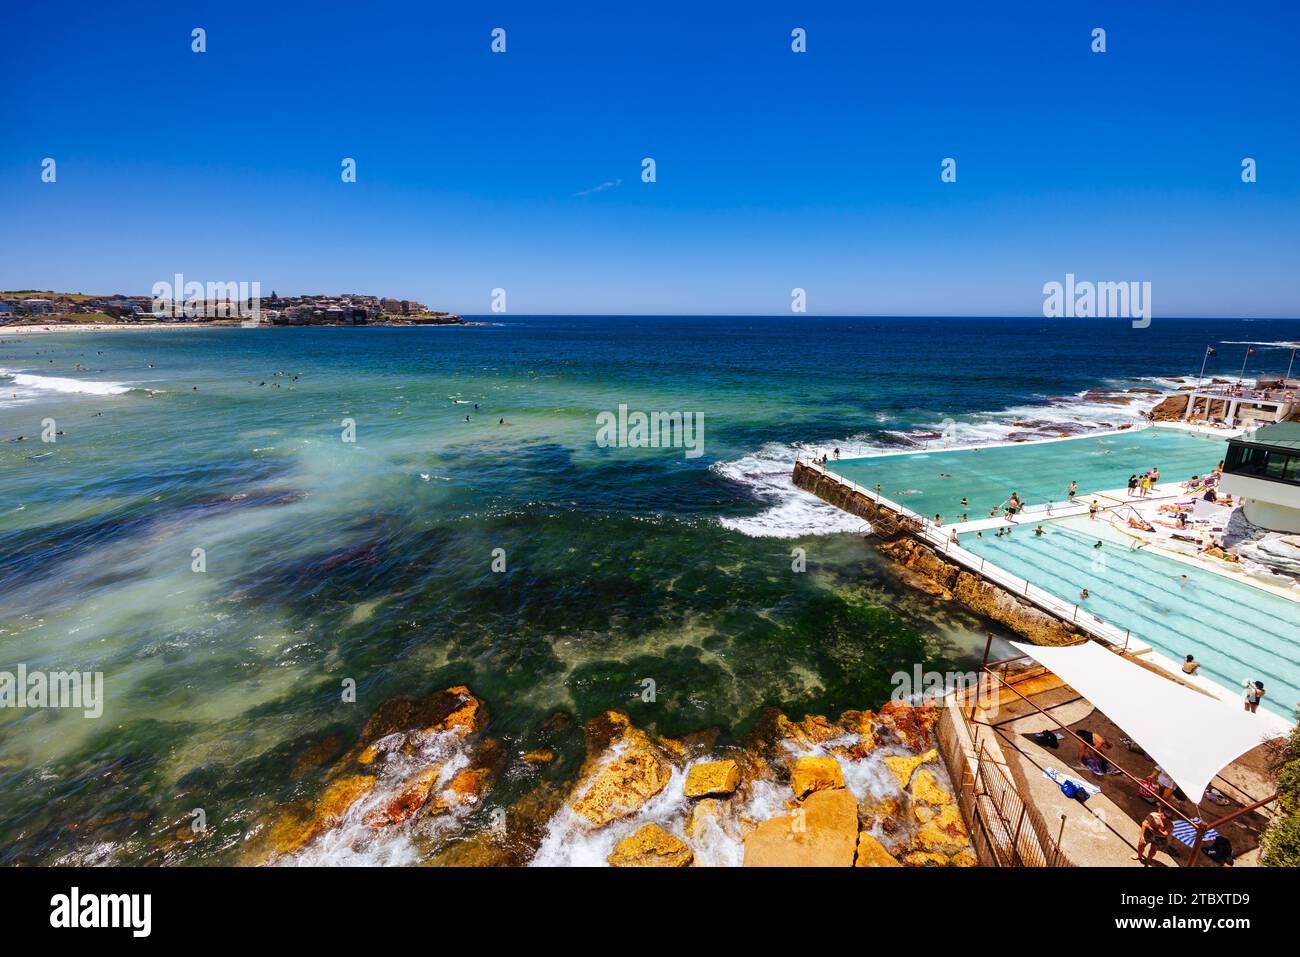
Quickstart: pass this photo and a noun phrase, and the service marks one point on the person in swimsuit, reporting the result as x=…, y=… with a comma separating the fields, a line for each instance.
x=1254, y=693
x=1156, y=831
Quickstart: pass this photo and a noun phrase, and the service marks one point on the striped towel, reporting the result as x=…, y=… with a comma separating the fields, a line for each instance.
x=1185, y=831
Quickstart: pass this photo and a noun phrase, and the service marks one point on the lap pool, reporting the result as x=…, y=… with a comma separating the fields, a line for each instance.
x=1236, y=631
x=933, y=483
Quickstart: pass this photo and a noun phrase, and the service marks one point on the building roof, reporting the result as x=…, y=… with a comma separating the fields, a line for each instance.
x=1280, y=435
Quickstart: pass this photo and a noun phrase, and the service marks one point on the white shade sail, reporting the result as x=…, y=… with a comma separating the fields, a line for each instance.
x=1189, y=734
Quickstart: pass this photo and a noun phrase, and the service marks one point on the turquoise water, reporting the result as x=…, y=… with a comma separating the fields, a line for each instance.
x=372, y=560
x=1237, y=632
x=934, y=482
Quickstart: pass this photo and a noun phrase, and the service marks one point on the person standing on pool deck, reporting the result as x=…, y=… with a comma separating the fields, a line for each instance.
x=1092, y=510
x=837, y=455
x=1073, y=490
x=1154, y=836
x=1254, y=693
x=1132, y=484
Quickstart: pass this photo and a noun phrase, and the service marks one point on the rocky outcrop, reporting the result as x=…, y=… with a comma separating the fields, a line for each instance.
x=981, y=596
x=651, y=846
x=619, y=778
x=391, y=773
x=1170, y=409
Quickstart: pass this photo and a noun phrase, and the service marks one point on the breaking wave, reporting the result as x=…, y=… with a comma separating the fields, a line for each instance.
x=792, y=513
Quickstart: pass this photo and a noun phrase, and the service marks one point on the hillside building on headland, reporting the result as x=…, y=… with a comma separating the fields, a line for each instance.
x=1263, y=468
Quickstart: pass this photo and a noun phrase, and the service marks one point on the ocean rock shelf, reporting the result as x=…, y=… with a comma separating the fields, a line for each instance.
x=867, y=789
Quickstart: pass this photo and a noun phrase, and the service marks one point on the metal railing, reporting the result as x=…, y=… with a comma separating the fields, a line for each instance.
x=1005, y=829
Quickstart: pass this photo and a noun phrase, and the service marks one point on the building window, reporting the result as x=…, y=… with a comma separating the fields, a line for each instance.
x=1256, y=462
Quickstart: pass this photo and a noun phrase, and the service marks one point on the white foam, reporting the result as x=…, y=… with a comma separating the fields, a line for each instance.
x=793, y=513
x=23, y=386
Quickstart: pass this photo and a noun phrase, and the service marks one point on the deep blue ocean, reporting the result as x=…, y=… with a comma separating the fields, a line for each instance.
x=372, y=559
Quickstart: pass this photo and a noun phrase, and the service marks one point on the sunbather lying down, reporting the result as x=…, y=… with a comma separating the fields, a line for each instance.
x=1141, y=524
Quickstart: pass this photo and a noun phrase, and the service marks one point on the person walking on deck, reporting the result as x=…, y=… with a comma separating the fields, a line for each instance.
x=1073, y=491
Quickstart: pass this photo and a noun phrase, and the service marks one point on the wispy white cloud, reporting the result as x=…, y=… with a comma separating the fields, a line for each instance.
x=608, y=184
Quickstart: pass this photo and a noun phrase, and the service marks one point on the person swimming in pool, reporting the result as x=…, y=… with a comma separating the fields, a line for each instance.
x=1039, y=530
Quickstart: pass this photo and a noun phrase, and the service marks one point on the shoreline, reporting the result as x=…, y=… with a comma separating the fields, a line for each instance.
x=29, y=329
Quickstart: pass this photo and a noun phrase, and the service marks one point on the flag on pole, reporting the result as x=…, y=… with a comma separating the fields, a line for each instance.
x=1209, y=351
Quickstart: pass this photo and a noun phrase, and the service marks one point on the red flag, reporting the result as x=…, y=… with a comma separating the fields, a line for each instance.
x=1209, y=351
x=1250, y=352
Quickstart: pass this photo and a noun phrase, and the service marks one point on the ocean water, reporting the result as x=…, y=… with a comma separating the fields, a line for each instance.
x=372, y=560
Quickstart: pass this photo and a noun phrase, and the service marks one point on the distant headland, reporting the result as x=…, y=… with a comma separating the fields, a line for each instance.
x=219, y=306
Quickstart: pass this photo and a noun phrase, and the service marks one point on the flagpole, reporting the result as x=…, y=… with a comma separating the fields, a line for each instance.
x=1204, y=358
x=1288, y=369
x=1244, y=359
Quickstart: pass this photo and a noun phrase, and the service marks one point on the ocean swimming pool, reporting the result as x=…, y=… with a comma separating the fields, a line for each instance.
x=933, y=483
x=1237, y=632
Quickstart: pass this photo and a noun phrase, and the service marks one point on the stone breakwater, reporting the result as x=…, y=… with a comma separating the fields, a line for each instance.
x=922, y=567
x=420, y=786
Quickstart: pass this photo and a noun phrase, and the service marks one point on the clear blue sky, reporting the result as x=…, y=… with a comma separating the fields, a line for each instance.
x=775, y=170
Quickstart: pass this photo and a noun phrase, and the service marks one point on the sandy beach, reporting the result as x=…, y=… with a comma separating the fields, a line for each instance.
x=28, y=329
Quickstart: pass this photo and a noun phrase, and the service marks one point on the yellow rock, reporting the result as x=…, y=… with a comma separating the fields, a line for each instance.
x=904, y=767
x=294, y=828
x=540, y=756
x=871, y=853
x=340, y=796
x=963, y=859
x=651, y=846
x=621, y=786
x=712, y=777
x=822, y=833
x=944, y=832
x=813, y=729
x=925, y=859
x=926, y=787
x=815, y=774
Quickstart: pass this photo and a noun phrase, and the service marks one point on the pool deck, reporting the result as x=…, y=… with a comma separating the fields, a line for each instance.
x=1110, y=501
